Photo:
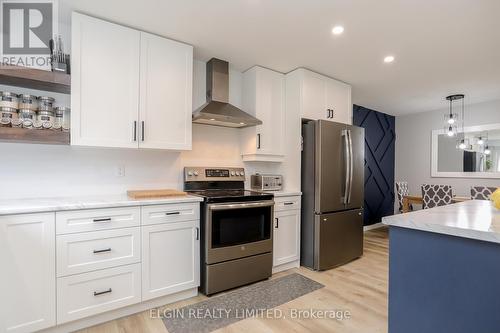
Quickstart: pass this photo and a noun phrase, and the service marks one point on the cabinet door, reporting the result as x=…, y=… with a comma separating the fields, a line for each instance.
x=166, y=91
x=286, y=237
x=270, y=108
x=27, y=281
x=338, y=99
x=104, y=83
x=170, y=258
x=313, y=88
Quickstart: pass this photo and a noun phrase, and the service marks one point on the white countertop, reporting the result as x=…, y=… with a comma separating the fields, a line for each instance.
x=37, y=205
x=475, y=219
x=282, y=193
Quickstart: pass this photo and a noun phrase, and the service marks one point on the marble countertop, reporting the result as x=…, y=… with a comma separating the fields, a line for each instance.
x=475, y=219
x=283, y=193
x=38, y=205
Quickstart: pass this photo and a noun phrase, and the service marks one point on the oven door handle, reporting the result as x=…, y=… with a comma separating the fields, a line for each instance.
x=253, y=204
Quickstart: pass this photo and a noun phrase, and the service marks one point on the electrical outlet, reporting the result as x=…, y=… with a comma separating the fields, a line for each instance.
x=120, y=171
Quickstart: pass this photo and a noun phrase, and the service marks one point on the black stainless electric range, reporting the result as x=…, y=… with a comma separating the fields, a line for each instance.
x=236, y=228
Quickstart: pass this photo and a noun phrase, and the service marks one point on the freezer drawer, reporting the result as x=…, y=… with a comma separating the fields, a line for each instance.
x=338, y=238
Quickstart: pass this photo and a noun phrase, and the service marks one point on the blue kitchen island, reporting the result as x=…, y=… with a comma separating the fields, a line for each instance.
x=444, y=269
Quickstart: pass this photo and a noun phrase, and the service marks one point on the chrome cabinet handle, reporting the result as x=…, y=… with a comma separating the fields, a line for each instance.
x=135, y=130
x=97, y=293
x=277, y=222
x=107, y=219
x=142, y=130
x=197, y=233
x=102, y=251
x=258, y=141
x=172, y=213
x=288, y=203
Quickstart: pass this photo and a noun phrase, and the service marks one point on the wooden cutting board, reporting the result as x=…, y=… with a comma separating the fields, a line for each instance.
x=144, y=194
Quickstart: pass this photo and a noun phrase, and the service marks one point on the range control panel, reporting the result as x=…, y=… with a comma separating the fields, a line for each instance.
x=200, y=174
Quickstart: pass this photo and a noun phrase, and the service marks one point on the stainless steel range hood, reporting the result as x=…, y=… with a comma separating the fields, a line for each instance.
x=217, y=111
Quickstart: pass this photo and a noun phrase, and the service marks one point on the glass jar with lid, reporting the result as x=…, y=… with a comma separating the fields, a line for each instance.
x=27, y=116
x=27, y=102
x=45, y=119
x=46, y=103
x=65, y=114
x=8, y=100
x=7, y=115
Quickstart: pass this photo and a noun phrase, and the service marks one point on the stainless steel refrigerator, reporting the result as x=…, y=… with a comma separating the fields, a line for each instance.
x=333, y=192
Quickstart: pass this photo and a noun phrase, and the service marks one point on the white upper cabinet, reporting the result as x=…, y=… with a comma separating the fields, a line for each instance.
x=166, y=93
x=104, y=83
x=27, y=281
x=318, y=96
x=264, y=98
x=130, y=89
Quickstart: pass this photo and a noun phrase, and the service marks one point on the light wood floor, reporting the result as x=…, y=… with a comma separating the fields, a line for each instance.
x=359, y=287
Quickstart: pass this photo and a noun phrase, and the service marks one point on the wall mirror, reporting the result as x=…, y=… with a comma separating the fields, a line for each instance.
x=471, y=153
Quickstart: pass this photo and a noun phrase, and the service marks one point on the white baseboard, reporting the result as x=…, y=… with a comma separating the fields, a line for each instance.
x=286, y=266
x=373, y=226
x=122, y=312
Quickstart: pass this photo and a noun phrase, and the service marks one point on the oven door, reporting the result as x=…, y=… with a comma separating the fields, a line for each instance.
x=238, y=230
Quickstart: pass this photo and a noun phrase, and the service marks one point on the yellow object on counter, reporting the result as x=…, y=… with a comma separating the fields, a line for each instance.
x=495, y=197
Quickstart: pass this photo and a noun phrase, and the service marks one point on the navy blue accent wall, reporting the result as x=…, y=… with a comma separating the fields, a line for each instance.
x=442, y=284
x=380, y=138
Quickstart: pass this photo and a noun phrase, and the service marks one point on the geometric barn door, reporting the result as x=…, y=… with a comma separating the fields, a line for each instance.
x=380, y=137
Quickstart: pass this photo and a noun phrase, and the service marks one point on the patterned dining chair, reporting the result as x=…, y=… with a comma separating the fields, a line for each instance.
x=402, y=190
x=436, y=195
x=481, y=192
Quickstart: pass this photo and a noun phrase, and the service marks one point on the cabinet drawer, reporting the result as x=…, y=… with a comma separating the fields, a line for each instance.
x=88, y=294
x=85, y=252
x=170, y=213
x=286, y=203
x=97, y=219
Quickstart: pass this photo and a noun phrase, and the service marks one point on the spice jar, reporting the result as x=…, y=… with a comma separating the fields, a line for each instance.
x=66, y=117
x=58, y=119
x=8, y=100
x=46, y=118
x=27, y=116
x=7, y=115
x=45, y=103
x=27, y=102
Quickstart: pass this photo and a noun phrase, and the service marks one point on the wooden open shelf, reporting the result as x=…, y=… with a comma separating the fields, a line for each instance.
x=35, y=79
x=27, y=135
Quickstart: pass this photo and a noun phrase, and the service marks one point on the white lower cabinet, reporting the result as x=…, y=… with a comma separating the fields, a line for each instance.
x=286, y=244
x=170, y=258
x=27, y=280
x=88, y=294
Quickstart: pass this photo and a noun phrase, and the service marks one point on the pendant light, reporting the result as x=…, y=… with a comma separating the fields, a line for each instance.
x=452, y=119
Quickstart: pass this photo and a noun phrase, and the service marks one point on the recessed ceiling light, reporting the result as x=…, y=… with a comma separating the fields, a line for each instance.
x=242, y=123
x=212, y=119
x=337, y=30
x=389, y=59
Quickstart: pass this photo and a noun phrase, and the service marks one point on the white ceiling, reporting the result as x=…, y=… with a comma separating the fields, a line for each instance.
x=441, y=46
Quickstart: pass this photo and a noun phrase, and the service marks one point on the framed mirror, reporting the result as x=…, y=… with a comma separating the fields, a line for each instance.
x=471, y=153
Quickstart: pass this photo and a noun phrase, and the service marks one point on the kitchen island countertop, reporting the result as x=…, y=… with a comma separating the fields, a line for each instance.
x=474, y=219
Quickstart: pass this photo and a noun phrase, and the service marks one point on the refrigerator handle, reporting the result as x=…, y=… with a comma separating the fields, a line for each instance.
x=345, y=197
x=351, y=165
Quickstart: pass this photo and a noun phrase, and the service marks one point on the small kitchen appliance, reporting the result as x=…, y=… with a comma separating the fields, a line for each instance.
x=263, y=182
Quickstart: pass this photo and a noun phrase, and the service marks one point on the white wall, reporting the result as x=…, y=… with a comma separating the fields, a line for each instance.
x=43, y=170
x=413, y=146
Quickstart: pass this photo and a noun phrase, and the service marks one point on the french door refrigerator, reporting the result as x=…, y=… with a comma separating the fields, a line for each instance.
x=333, y=190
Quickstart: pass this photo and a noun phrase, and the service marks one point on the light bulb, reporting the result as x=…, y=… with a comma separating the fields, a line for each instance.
x=450, y=131
x=480, y=141
x=451, y=121
x=487, y=151
x=462, y=145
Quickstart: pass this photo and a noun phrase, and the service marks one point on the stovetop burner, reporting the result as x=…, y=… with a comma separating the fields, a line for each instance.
x=231, y=195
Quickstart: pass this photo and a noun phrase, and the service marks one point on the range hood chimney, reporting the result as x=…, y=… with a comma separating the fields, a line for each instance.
x=217, y=111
